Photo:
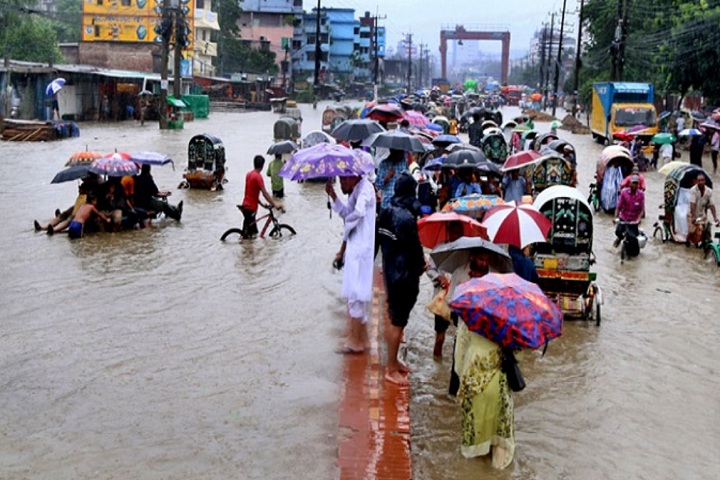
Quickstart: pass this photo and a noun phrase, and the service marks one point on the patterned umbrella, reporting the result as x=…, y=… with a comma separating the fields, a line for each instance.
x=55, y=86
x=689, y=132
x=474, y=205
x=115, y=165
x=518, y=225
x=433, y=229
x=507, y=310
x=325, y=160
x=151, y=158
x=85, y=157
x=521, y=159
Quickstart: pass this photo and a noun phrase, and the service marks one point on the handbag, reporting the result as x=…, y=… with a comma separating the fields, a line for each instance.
x=510, y=367
x=439, y=306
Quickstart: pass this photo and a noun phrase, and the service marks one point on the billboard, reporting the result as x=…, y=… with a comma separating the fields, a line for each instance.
x=128, y=20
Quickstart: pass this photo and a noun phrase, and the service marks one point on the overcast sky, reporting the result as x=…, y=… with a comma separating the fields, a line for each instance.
x=425, y=18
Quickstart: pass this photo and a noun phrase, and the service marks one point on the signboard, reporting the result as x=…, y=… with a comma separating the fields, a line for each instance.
x=128, y=20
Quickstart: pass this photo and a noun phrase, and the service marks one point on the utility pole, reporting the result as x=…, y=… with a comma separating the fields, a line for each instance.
x=165, y=35
x=409, y=64
x=559, y=58
x=177, y=83
x=543, y=39
x=623, y=39
x=576, y=79
x=318, y=51
x=549, y=62
x=376, y=49
x=419, y=79
x=615, y=45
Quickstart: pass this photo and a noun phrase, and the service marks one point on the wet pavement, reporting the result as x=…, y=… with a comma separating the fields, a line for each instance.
x=164, y=353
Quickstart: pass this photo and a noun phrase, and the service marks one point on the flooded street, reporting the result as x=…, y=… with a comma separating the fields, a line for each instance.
x=165, y=353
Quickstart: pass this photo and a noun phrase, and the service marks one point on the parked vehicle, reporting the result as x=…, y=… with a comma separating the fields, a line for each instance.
x=623, y=106
x=206, y=163
x=563, y=263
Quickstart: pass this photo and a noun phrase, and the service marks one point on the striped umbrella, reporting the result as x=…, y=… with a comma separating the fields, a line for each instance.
x=518, y=225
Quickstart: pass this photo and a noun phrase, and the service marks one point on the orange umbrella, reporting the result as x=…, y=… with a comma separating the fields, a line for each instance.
x=83, y=157
x=536, y=96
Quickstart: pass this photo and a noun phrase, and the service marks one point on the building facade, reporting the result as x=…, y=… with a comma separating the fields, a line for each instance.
x=205, y=50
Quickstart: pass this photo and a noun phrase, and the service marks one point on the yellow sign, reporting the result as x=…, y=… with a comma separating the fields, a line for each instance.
x=129, y=20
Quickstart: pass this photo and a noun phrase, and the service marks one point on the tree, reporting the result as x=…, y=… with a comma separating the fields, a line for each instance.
x=32, y=40
x=68, y=21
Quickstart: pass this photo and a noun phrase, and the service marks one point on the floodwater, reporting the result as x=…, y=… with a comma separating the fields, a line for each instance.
x=164, y=353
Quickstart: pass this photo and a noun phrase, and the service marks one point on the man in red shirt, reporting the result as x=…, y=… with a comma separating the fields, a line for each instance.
x=254, y=186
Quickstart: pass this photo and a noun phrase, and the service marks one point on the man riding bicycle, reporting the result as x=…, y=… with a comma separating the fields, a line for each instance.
x=630, y=210
x=254, y=186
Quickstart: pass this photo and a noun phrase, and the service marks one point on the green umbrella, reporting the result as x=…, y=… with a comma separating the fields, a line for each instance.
x=555, y=124
x=663, y=138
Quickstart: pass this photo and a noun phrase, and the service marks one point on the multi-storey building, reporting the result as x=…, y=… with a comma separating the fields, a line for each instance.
x=206, y=22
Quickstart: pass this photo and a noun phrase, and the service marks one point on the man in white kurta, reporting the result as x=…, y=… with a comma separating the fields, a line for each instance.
x=357, y=252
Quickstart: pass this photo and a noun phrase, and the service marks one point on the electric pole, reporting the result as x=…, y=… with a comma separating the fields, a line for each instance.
x=549, y=61
x=177, y=83
x=376, y=49
x=576, y=79
x=615, y=45
x=623, y=39
x=559, y=58
x=543, y=40
x=409, y=64
x=165, y=35
x=318, y=52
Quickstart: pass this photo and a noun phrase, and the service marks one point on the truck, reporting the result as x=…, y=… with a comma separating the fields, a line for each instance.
x=623, y=106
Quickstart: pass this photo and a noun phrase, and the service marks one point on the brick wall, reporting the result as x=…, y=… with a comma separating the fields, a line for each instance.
x=119, y=56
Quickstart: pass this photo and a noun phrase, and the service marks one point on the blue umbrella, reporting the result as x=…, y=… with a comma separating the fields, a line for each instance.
x=689, y=132
x=151, y=158
x=435, y=164
x=446, y=140
x=434, y=126
x=54, y=86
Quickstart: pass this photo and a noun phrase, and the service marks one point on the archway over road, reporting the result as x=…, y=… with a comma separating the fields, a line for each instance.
x=461, y=33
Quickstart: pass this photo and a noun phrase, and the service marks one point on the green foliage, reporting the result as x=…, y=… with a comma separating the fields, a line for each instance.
x=33, y=40
x=68, y=21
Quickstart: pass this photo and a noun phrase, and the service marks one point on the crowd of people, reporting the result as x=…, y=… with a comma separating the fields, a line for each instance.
x=117, y=203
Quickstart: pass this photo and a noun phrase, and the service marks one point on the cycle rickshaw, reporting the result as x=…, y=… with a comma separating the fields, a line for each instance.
x=286, y=128
x=673, y=223
x=615, y=163
x=206, y=163
x=563, y=263
x=553, y=169
x=494, y=146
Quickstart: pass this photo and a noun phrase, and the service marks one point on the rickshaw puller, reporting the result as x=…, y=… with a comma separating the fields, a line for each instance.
x=630, y=209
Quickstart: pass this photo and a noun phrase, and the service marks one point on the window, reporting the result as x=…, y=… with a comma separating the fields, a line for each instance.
x=125, y=3
x=100, y=2
x=97, y=30
x=200, y=4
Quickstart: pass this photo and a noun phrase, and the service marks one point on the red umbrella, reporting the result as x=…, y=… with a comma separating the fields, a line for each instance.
x=518, y=225
x=387, y=112
x=521, y=159
x=433, y=229
x=416, y=118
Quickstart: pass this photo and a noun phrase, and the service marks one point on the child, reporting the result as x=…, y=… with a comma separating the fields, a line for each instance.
x=277, y=183
x=75, y=230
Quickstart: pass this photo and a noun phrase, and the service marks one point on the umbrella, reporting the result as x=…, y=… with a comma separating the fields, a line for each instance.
x=664, y=115
x=555, y=124
x=665, y=169
x=286, y=146
x=451, y=255
x=145, y=92
x=689, y=132
x=613, y=151
x=436, y=164
x=488, y=168
x=54, y=86
x=434, y=127
x=663, y=138
x=315, y=137
x=465, y=158
x=151, y=158
x=386, y=112
x=416, y=118
x=115, y=165
x=623, y=136
x=73, y=172
x=356, y=129
x=397, y=140
x=536, y=96
x=454, y=147
x=711, y=124
x=507, y=310
x=326, y=160
x=82, y=157
x=474, y=205
x=518, y=225
x=522, y=159
x=433, y=229
x=445, y=140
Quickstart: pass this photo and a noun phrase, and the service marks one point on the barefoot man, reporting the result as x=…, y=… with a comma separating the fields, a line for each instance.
x=75, y=230
x=357, y=254
x=403, y=264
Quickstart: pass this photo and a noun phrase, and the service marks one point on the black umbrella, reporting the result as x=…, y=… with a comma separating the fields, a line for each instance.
x=397, y=140
x=356, y=129
x=286, y=146
x=465, y=158
x=449, y=256
x=75, y=172
x=488, y=168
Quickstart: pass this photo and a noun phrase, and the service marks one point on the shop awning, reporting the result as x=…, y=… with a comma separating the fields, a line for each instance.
x=176, y=102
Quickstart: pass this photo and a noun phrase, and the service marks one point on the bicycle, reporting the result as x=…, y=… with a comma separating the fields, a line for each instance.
x=277, y=231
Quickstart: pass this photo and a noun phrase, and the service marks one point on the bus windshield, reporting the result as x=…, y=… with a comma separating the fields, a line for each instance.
x=630, y=117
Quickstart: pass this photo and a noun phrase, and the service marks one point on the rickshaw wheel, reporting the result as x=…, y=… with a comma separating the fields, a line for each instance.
x=282, y=230
x=232, y=234
x=598, y=317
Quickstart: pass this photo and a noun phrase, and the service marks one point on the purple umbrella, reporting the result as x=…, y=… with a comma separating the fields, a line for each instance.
x=114, y=165
x=325, y=160
x=151, y=158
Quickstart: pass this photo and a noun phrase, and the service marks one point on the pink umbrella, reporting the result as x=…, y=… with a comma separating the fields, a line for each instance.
x=518, y=225
x=521, y=159
x=416, y=118
x=433, y=229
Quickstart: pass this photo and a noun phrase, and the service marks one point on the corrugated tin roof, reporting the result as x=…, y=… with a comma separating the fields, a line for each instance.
x=107, y=72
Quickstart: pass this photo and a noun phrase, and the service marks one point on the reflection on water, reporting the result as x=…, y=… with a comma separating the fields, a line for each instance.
x=165, y=353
